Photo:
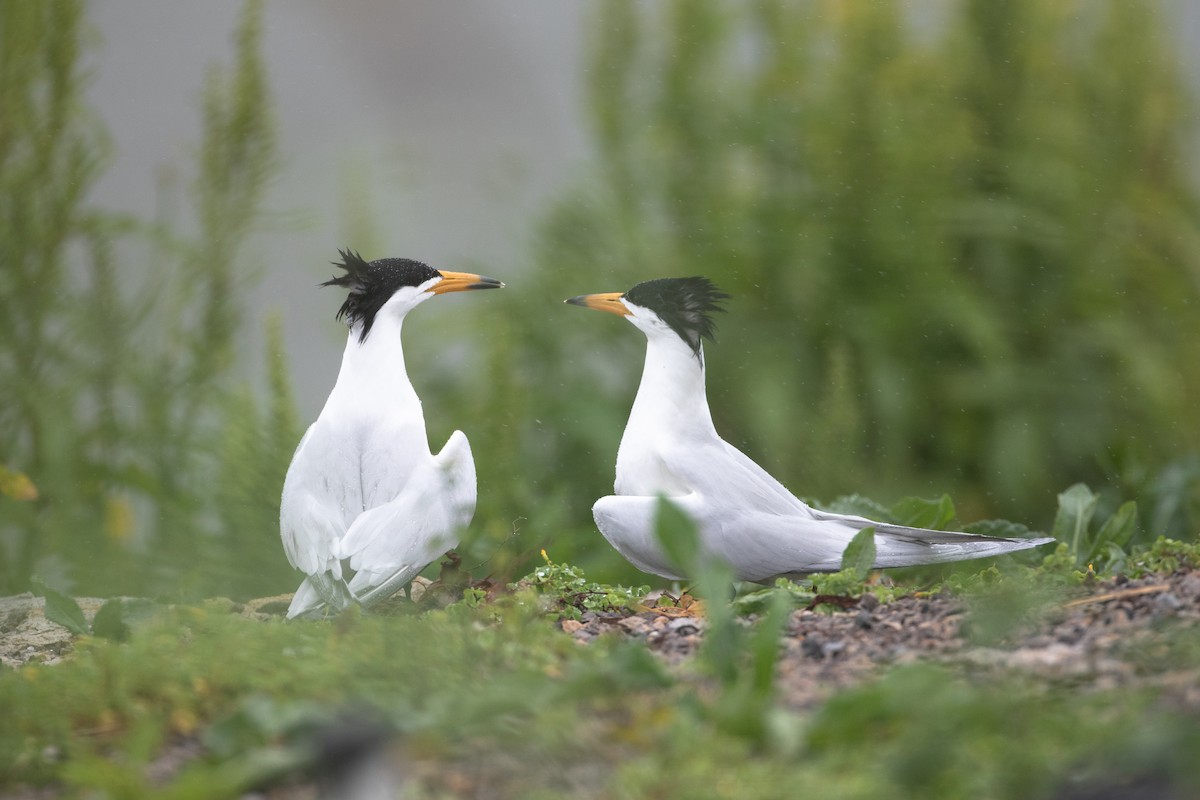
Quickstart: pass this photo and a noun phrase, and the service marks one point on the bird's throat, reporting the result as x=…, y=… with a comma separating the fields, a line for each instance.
x=671, y=409
x=373, y=371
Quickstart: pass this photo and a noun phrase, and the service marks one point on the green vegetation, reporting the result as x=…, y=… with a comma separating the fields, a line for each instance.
x=961, y=251
x=928, y=295
x=571, y=593
x=962, y=257
x=119, y=341
x=490, y=693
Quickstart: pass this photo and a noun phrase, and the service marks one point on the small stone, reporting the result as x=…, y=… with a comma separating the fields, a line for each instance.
x=417, y=589
x=1071, y=635
x=1057, y=659
x=869, y=602
x=863, y=620
x=635, y=625
x=1167, y=601
x=832, y=649
x=812, y=647
x=685, y=626
x=571, y=625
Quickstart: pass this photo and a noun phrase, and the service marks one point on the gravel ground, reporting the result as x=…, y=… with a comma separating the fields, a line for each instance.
x=1112, y=634
x=1108, y=636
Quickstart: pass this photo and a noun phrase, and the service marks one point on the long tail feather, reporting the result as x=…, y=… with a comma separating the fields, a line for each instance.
x=897, y=546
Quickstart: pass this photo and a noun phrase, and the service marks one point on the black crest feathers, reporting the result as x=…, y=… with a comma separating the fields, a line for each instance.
x=372, y=284
x=685, y=304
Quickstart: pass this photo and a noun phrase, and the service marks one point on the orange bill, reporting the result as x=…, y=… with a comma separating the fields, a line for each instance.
x=605, y=301
x=463, y=282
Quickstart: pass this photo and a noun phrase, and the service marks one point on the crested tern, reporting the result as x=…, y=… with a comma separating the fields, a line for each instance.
x=366, y=505
x=743, y=515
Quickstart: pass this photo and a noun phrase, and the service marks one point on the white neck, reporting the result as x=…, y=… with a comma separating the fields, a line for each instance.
x=671, y=396
x=670, y=409
x=373, y=374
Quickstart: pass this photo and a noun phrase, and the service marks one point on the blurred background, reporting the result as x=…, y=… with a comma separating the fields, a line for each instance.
x=962, y=240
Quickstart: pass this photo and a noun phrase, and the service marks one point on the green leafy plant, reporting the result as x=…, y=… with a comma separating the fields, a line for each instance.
x=1100, y=547
x=570, y=593
x=120, y=334
x=61, y=609
x=112, y=620
x=742, y=660
x=1164, y=556
x=850, y=580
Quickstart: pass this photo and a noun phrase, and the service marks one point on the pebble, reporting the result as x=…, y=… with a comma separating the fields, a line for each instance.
x=685, y=626
x=1167, y=601
x=812, y=647
x=831, y=649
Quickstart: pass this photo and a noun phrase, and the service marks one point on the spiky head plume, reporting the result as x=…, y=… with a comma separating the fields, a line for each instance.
x=685, y=304
x=372, y=284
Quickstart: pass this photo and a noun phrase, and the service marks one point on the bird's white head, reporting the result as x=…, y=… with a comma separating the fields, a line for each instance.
x=680, y=307
x=394, y=286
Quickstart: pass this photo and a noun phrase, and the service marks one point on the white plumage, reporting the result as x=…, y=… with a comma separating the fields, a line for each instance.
x=743, y=515
x=366, y=505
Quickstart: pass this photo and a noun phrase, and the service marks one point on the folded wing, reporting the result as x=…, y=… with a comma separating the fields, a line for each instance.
x=387, y=546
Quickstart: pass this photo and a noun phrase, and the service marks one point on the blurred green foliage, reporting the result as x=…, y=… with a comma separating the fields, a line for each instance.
x=496, y=698
x=154, y=473
x=962, y=245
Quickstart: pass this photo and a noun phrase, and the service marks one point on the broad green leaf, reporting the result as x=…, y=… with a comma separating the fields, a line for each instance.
x=998, y=527
x=860, y=506
x=109, y=622
x=61, y=609
x=1075, y=509
x=1113, y=558
x=917, y=512
x=117, y=616
x=764, y=644
x=1118, y=530
x=859, y=555
x=677, y=534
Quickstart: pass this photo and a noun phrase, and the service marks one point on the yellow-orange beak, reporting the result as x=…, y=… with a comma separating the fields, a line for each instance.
x=605, y=301
x=463, y=282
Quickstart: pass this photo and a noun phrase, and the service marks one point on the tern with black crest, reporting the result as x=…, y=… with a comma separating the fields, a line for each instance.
x=743, y=515
x=366, y=505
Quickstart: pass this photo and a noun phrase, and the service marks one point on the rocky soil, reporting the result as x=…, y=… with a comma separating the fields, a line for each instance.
x=1113, y=633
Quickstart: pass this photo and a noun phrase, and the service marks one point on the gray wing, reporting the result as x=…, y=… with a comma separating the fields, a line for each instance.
x=762, y=545
x=751, y=521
